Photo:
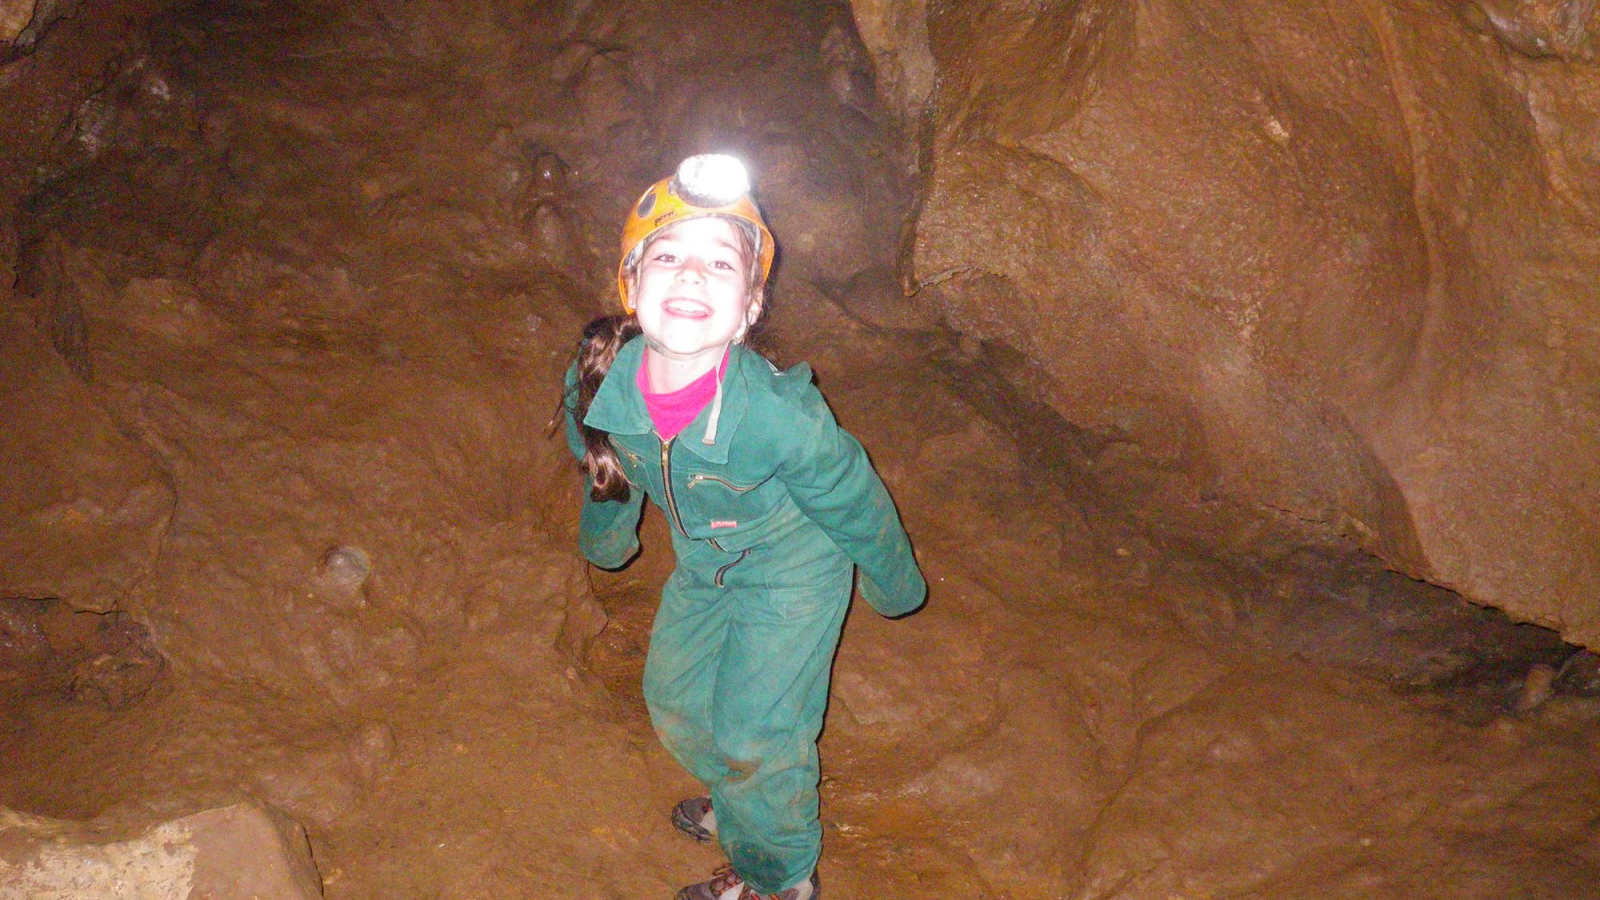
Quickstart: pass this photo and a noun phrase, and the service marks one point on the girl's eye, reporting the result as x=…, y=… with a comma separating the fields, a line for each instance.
x=724, y=265
x=666, y=257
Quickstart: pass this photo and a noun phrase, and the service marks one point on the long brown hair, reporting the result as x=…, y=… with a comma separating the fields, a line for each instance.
x=602, y=338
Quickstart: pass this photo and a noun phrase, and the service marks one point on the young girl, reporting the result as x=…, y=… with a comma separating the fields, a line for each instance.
x=771, y=506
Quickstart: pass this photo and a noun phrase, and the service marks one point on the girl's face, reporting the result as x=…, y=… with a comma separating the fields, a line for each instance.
x=690, y=290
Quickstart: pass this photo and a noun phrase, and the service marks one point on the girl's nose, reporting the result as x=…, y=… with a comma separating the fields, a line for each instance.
x=692, y=270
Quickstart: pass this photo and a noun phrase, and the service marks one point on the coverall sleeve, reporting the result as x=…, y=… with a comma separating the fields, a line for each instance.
x=832, y=481
x=608, y=530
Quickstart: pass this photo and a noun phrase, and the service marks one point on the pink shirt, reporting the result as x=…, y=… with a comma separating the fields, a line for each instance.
x=672, y=412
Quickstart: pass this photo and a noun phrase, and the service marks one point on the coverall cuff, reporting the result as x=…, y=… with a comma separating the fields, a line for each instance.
x=898, y=605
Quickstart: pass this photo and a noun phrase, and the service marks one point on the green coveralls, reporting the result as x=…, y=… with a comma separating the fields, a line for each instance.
x=767, y=523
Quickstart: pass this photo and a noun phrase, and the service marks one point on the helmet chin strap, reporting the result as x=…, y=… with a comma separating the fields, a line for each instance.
x=716, y=410
x=716, y=399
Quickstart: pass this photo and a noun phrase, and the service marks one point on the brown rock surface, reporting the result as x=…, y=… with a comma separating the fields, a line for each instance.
x=239, y=852
x=1333, y=792
x=1335, y=261
x=83, y=526
x=14, y=17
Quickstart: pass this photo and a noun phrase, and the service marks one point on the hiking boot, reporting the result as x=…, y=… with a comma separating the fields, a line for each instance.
x=695, y=818
x=725, y=884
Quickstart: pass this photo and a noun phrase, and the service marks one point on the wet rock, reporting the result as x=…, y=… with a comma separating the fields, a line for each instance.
x=143, y=109
x=58, y=312
x=239, y=852
x=535, y=192
x=436, y=595
x=555, y=237
x=85, y=508
x=347, y=566
x=582, y=620
x=872, y=297
x=1291, y=284
x=117, y=681
x=397, y=647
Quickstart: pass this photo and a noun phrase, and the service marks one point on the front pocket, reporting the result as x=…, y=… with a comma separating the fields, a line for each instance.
x=700, y=478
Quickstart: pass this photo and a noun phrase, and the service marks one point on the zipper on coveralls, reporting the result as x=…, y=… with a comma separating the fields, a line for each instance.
x=666, y=485
x=699, y=477
x=717, y=579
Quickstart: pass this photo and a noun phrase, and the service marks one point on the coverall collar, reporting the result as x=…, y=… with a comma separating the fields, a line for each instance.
x=618, y=407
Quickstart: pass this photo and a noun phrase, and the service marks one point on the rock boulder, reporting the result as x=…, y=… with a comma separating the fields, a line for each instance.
x=239, y=852
x=1331, y=263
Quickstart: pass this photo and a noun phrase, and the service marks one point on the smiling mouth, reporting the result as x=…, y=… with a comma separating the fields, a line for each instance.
x=691, y=309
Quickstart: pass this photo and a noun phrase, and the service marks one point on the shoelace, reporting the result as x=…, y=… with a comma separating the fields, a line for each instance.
x=725, y=879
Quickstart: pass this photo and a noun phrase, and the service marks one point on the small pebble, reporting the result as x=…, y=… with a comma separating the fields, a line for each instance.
x=346, y=566
x=1536, y=688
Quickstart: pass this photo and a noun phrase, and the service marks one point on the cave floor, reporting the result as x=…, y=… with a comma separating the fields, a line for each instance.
x=331, y=280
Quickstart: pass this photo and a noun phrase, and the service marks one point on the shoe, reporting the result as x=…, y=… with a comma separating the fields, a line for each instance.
x=695, y=818
x=725, y=884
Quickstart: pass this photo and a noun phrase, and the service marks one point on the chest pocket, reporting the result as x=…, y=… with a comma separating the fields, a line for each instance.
x=700, y=479
x=722, y=502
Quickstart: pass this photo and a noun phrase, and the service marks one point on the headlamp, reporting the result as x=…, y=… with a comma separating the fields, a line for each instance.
x=711, y=179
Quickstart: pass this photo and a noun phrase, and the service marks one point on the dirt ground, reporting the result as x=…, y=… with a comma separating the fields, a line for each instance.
x=329, y=262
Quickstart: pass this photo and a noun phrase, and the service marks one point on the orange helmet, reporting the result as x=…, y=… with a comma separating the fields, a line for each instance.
x=706, y=185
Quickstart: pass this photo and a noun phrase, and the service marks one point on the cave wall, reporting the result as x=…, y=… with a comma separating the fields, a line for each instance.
x=53, y=56
x=1330, y=264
